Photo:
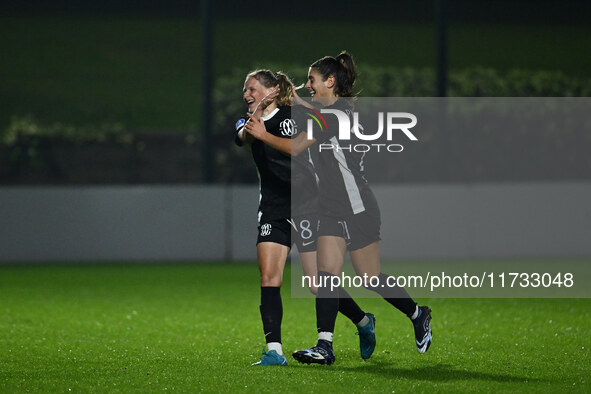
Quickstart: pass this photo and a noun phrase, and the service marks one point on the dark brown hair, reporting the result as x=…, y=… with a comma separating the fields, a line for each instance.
x=342, y=68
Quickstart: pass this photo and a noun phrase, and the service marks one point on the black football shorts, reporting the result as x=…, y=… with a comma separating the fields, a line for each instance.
x=358, y=230
x=277, y=231
x=304, y=233
x=301, y=231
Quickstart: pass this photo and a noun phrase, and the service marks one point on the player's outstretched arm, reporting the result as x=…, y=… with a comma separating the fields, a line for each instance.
x=297, y=100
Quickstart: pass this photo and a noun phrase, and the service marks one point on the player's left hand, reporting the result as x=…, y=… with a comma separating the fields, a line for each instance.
x=255, y=127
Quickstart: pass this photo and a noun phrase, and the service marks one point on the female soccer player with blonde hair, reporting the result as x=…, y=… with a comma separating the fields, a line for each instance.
x=283, y=222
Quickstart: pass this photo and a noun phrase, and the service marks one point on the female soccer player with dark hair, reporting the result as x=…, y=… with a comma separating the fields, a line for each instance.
x=268, y=95
x=350, y=217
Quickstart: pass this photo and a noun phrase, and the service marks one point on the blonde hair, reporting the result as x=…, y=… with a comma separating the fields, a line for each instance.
x=269, y=79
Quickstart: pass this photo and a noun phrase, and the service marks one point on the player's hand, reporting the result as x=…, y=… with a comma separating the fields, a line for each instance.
x=268, y=99
x=297, y=100
x=255, y=127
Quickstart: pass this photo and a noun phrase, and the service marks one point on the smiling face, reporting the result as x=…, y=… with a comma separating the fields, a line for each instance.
x=254, y=92
x=318, y=87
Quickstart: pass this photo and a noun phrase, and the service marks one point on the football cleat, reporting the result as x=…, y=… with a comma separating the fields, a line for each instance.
x=422, y=325
x=367, y=337
x=271, y=358
x=322, y=353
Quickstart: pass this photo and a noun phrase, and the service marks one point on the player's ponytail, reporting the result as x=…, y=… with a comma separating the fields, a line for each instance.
x=342, y=68
x=346, y=86
x=285, y=89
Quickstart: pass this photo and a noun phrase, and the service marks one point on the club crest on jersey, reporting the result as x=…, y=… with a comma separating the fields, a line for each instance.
x=241, y=122
x=288, y=128
x=265, y=230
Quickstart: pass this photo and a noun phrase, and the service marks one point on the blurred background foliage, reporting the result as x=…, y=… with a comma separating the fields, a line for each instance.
x=126, y=74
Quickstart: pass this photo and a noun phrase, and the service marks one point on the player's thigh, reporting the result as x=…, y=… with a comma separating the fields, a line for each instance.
x=273, y=244
x=367, y=260
x=271, y=257
x=331, y=253
x=309, y=268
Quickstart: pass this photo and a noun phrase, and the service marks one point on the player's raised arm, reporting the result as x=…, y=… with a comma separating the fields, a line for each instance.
x=293, y=147
x=297, y=100
x=242, y=136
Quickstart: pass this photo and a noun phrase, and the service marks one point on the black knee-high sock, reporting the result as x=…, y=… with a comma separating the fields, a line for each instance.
x=327, y=303
x=395, y=295
x=272, y=313
x=348, y=307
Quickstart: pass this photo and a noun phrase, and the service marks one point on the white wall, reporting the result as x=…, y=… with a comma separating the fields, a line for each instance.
x=181, y=223
x=486, y=220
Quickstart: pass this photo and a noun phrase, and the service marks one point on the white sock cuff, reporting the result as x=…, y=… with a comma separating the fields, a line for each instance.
x=363, y=322
x=325, y=336
x=275, y=346
x=416, y=314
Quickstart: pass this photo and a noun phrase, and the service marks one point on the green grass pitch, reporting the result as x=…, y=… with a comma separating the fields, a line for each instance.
x=187, y=328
